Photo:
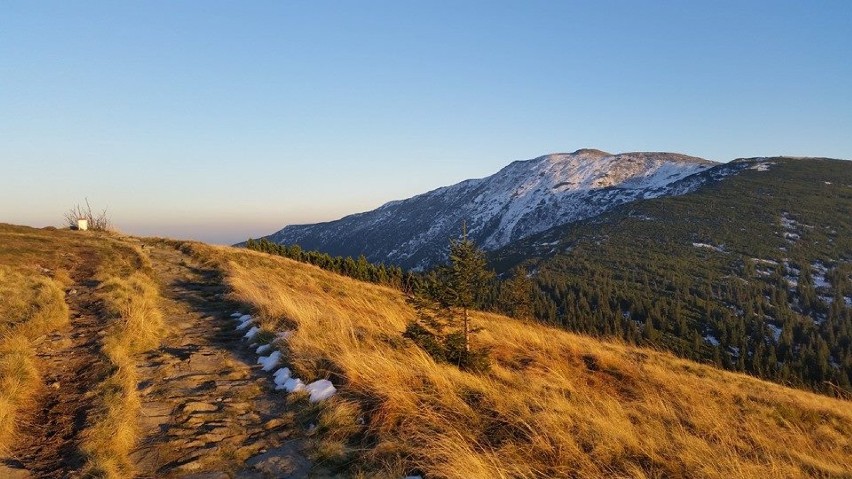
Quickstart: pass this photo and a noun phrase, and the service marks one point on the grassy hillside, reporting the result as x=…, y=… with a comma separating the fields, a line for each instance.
x=554, y=404
x=753, y=273
x=37, y=267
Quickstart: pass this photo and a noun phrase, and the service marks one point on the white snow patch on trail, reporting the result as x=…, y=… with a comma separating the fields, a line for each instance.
x=280, y=377
x=320, y=389
x=293, y=384
x=252, y=332
x=269, y=362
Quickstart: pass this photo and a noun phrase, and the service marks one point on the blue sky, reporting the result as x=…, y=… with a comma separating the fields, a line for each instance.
x=223, y=120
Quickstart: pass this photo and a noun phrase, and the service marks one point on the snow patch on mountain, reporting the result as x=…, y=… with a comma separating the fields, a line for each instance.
x=524, y=198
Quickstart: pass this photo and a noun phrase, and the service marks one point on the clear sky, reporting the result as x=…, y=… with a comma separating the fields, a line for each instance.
x=223, y=120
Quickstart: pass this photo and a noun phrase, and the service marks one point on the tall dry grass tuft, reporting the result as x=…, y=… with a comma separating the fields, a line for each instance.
x=554, y=404
x=30, y=306
x=136, y=325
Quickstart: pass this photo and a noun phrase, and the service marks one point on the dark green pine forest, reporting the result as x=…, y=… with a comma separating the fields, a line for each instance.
x=752, y=272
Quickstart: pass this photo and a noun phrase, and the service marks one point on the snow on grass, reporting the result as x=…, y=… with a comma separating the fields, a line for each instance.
x=552, y=243
x=280, y=377
x=775, y=330
x=819, y=272
x=293, y=384
x=765, y=261
x=320, y=389
x=269, y=362
x=709, y=246
x=792, y=228
x=826, y=299
x=763, y=166
x=252, y=333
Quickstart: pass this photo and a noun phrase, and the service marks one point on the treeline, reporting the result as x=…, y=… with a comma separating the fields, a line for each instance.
x=359, y=269
x=515, y=296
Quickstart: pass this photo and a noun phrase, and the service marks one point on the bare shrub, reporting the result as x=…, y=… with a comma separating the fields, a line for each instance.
x=96, y=222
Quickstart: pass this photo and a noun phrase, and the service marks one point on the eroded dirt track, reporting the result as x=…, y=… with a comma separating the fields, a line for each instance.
x=50, y=434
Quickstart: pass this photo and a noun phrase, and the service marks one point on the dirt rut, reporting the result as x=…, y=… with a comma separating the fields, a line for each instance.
x=49, y=437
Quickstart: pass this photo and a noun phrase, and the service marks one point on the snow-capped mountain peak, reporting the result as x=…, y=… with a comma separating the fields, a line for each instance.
x=523, y=198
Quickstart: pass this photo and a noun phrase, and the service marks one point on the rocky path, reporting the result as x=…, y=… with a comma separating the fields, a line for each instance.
x=208, y=410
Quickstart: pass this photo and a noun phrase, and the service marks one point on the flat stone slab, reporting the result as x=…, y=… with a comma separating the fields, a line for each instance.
x=195, y=407
x=280, y=463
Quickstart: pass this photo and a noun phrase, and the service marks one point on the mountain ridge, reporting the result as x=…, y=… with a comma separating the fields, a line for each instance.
x=522, y=198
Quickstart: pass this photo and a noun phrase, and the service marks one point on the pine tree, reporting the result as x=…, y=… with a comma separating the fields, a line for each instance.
x=517, y=294
x=467, y=279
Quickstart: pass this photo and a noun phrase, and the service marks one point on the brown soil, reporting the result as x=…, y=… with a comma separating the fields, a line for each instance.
x=50, y=435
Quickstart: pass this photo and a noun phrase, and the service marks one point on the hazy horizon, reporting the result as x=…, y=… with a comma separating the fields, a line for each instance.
x=216, y=121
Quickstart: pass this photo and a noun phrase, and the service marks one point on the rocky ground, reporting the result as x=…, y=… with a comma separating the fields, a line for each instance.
x=208, y=411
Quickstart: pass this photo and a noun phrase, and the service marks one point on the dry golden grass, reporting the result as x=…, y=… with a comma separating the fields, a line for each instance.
x=554, y=404
x=136, y=325
x=30, y=306
x=36, y=268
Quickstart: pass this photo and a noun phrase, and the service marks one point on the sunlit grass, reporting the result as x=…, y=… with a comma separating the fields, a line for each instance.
x=30, y=306
x=554, y=404
x=135, y=325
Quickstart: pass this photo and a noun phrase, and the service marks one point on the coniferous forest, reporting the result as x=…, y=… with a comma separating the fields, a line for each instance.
x=753, y=273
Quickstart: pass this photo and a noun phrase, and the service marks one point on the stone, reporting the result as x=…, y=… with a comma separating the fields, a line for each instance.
x=285, y=461
x=274, y=423
x=196, y=407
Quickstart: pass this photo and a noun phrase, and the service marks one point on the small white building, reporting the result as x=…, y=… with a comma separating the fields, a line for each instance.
x=82, y=224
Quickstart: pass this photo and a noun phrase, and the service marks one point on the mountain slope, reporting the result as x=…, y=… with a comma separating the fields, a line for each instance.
x=553, y=404
x=524, y=198
x=753, y=273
